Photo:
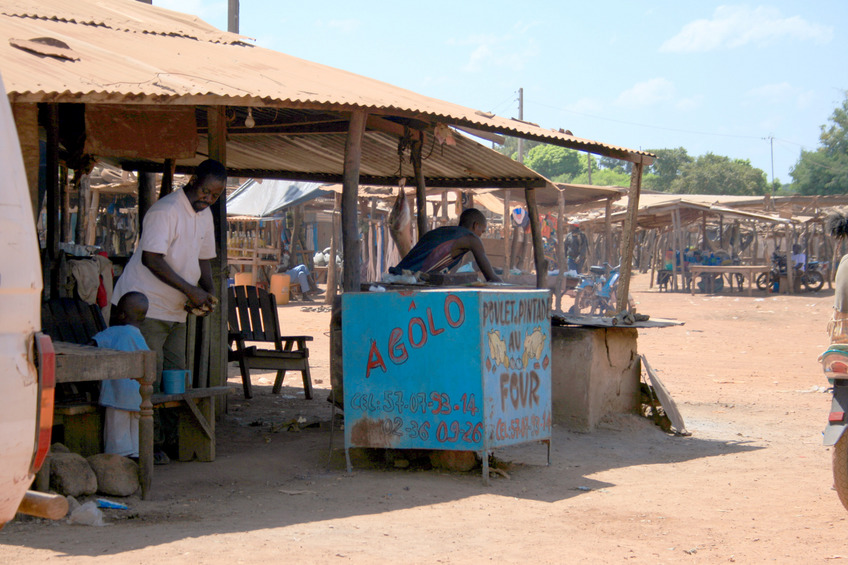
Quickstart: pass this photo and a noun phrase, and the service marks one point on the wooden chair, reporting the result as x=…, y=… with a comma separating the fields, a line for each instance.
x=253, y=317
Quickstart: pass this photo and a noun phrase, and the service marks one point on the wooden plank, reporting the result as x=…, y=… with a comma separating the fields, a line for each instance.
x=536, y=232
x=665, y=398
x=52, y=197
x=350, y=188
x=622, y=303
x=420, y=186
x=217, y=324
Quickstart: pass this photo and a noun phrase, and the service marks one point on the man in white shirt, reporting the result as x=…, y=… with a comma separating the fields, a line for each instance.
x=171, y=266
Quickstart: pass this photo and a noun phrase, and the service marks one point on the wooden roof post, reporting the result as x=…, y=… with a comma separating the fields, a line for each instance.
x=608, y=231
x=350, y=192
x=332, y=279
x=560, y=248
x=507, y=231
x=420, y=187
x=217, y=325
x=52, y=196
x=536, y=232
x=627, y=236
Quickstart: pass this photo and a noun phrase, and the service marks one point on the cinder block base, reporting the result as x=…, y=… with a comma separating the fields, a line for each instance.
x=595, y=373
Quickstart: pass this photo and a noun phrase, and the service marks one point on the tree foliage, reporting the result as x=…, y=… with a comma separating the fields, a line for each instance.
x=668, y=167
x=556, y=162
x=604, y=177
x=717, y=174
x=825, y=170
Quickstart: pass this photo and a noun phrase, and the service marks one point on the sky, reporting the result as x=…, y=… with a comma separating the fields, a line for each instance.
x=748, y=81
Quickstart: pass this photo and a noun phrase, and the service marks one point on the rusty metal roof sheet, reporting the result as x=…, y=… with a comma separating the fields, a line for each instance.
x=127, y=52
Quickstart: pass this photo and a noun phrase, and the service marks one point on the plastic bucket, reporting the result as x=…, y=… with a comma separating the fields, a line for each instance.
x=174, y=381
x=280, y=284
x=244, y=279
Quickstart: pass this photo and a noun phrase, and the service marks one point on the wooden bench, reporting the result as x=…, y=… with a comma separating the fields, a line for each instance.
x=74, y=321
x=196, y=427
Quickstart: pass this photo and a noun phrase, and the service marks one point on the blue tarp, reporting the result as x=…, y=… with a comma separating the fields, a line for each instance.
x=267, y=198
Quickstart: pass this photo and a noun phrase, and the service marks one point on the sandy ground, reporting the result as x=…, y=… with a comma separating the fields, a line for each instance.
x=751, y=484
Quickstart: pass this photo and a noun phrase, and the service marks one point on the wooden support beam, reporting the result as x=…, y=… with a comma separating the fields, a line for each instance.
x=536, y=232
x=420, y=186
x=332, y=277
x=52, y=196
x=560, y=249
x=622, y=303
x=507, y=232
x=350, y=209
x=217, y=324
x=146, y=196
x=608, y=231
x=167, y=186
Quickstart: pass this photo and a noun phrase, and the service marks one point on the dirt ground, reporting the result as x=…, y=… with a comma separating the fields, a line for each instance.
x=751, y=484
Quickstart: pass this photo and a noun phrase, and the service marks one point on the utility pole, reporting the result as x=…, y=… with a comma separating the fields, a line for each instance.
x=521, y=117
x=233, y=16
x=771, y=146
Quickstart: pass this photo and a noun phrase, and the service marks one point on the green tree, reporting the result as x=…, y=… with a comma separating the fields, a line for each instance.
x=510, y=147
x=613, y=164
x=553, y=161
x=603, y=177
x=825, y=170
x=667, y=167
x=717, y=174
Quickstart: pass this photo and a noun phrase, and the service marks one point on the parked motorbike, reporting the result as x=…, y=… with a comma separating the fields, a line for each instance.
x=811, y=277
x=835, y=364
x=595, y=293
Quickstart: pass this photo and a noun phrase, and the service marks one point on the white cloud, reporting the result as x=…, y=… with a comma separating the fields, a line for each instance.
x=736, y=26
x=647, y=93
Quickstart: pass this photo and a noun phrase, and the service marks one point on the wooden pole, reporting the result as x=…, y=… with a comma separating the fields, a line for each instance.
x=420, y=187
x=627, y=236
x=65, y=234
x=91, y=218
x=217, y=321
x=608, y=231
x=350, y=191
x=507, y=231
x=332, y=272
x=560, y=249
x=53, y=196
x=536, y=232
x=146, y=195
x=167, y=186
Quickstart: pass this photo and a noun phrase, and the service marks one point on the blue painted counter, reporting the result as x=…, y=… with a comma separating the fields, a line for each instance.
x=447, y=369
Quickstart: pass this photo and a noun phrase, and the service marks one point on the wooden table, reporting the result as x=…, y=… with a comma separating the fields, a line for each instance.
x=75, y=363
x=748, y=271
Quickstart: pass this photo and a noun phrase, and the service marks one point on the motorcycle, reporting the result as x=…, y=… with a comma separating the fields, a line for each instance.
x=835, y=364
x=595, y=293
x=811, y=277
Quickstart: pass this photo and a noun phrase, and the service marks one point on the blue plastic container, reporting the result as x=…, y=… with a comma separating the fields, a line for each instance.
x=174, y=381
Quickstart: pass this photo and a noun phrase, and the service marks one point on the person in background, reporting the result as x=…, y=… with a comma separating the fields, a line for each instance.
x=121, y=397
x=799, y=258
x=441, y=250
x=576, y=246
x=171, y=265
x=299, y=274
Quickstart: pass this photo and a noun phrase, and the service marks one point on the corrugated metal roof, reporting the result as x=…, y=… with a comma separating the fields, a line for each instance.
x=127, y=52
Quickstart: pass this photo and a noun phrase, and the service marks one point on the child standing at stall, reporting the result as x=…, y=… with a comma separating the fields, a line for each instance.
x=121, y=397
